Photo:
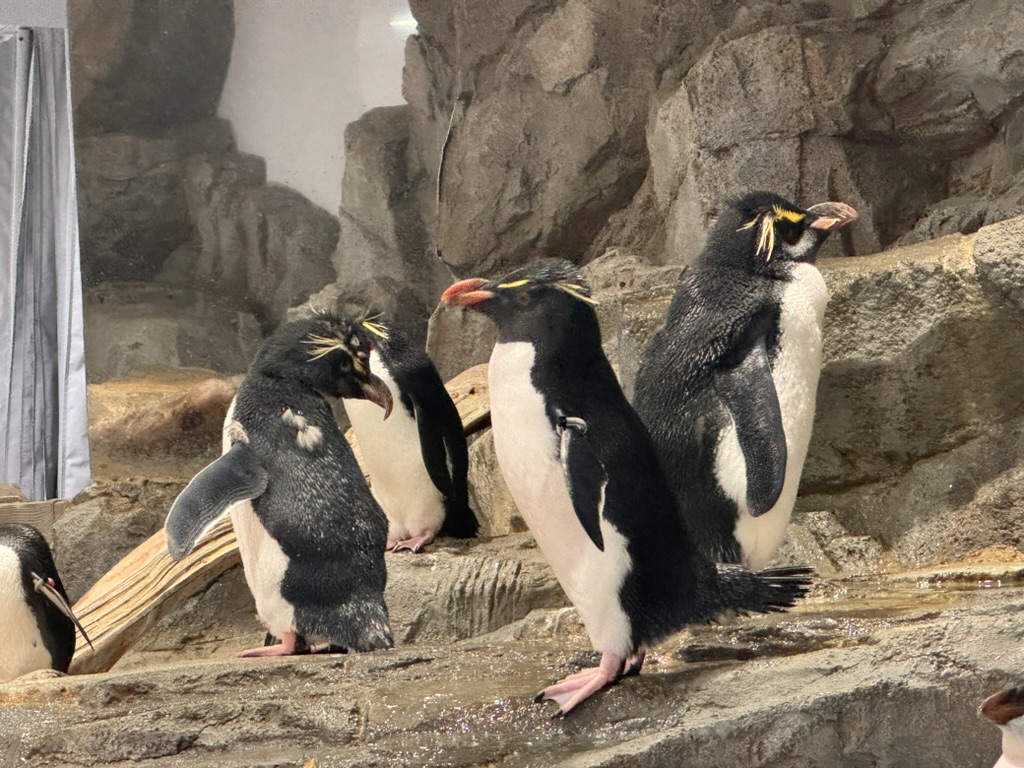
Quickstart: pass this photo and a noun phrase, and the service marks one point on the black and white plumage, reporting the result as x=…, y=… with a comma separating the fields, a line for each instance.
x=1005, y=708
x=417, y=458
x=310, y=534
x=727, y=387
x=583, y=473
x=39, y=625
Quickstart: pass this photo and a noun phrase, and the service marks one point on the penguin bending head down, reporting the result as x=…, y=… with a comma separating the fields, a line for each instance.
x=583, y=472
x=310, y=534
x=417, y=458
x=38, y=622
x=1006, y=709
x=727, y=386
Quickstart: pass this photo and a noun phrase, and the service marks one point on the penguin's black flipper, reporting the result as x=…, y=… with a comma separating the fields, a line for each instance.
x=749, y=393
x=446, y=457
x=584, y=476
x=235, y=476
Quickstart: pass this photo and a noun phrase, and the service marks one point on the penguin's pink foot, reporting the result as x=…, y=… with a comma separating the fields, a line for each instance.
x=291, y=645
x=568, y=693
x=415, y=544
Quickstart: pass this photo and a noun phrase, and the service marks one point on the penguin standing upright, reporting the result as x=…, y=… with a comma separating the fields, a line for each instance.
x=1006, y=709
x=584, y=474
x=310, y=534
x=727, y=386
x=417, y=458
x=38, y=622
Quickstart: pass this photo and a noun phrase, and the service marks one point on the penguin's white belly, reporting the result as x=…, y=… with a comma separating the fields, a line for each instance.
x=391, y=451
x=24, y=652
x=264, y=563
x=796, y=370
x=528, y=454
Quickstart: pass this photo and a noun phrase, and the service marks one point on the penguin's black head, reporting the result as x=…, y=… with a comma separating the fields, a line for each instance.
x=762, y=231
x=1005, y=706
x=544, y=297
x=328, y=353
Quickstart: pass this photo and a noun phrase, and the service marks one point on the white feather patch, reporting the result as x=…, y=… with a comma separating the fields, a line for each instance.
x=308, y=436
x=23, y=651
x=264, y=564
x=527, y=447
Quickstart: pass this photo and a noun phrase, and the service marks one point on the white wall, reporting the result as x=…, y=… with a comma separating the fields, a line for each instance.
x=34, y=13
x=300, y=72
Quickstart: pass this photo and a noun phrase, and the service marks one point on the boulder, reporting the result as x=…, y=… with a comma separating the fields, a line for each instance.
x=144, y=67
x=489, y=497
x=385, y=261
x=132, y=208
x=262, y=244
x=133, y=327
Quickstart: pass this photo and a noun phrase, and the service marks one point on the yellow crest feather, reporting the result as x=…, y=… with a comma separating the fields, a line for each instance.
x=576, y=291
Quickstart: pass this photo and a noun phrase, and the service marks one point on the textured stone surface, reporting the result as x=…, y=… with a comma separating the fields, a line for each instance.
x=385, y=261
x=260, y=243
x=104, y=523
x=132, y=207
x=861, y=680
x=143, y=67
x=133, y=327
x=489, y=496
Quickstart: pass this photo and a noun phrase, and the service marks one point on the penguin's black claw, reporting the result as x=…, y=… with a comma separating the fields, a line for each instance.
x=538, y=698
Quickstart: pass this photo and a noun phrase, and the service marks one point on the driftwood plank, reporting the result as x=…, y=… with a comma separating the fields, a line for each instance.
x=147, y=584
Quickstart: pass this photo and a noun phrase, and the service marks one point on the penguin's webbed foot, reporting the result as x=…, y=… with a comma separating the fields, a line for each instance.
x=578, y=687
x=414, y=545
x=292, y=644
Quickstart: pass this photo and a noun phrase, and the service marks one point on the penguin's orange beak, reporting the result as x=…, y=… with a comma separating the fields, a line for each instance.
x=832, y=216
x=466, y=293
x=376, y=391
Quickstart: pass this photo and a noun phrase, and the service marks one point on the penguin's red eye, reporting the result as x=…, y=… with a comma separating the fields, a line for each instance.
x=345, y=365
x=522, y=298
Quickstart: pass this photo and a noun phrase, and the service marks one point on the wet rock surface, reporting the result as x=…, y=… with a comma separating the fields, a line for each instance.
x=858, y=675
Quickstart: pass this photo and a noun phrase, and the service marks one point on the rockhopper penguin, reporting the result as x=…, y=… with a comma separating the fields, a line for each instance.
x=583, y=472
x=417, y=458
x=1006, y=709
x=727, y=386
x=38, y=622
x=310, y=534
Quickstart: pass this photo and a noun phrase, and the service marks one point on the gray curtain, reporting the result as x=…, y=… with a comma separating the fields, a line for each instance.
x=45, y=449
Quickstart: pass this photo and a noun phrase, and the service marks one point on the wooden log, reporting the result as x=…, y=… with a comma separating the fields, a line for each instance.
x=147, y=584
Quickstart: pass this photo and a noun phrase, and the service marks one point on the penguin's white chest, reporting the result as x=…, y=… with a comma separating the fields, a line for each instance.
x=24, y=651
x=264, y=564
x=795, y=372
x=393, y=457
x=263, y=561
x=527, y=448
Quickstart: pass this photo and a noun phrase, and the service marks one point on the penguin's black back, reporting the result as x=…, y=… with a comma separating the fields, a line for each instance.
x=417, y=378
x=321, y=512
x=57, y=630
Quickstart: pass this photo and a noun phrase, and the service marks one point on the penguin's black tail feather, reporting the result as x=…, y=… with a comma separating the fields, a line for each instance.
x=360, y=624
x=767, y=591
